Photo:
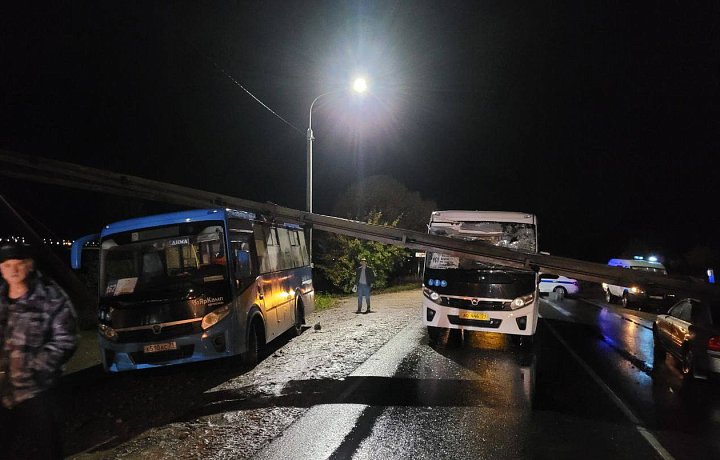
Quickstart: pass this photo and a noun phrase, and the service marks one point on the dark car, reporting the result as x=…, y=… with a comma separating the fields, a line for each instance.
x=690, y=331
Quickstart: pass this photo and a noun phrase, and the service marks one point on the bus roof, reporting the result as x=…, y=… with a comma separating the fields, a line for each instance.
x=194, y=215
x=482, y=216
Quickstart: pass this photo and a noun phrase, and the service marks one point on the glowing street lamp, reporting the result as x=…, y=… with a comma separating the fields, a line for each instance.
x=359, y=86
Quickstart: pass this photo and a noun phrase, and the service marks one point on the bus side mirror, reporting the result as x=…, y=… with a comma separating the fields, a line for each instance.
x=77, y=247
x=242, y=264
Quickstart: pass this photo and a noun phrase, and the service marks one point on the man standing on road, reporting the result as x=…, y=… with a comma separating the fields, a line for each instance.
x=37, y=336
x=364, y=279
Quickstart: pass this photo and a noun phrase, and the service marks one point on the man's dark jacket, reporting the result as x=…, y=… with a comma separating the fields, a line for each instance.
x=369, y=276
x=38, y=335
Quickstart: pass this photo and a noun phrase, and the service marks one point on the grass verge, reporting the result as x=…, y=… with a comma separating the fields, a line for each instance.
x=324, y=300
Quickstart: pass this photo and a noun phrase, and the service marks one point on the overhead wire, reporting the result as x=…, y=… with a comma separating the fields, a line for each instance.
x=227, y=74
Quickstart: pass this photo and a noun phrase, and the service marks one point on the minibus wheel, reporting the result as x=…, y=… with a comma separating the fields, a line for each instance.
x=434, y=333
x=299, y=318
x=250, y=357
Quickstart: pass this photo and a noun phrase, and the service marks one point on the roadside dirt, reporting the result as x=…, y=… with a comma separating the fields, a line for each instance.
x=218, y=409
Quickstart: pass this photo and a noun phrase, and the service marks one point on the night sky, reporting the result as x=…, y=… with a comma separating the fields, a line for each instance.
x=601, y=119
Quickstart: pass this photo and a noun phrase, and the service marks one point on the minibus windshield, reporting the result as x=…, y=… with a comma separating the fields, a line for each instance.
x=511, y=235
x=195, y=257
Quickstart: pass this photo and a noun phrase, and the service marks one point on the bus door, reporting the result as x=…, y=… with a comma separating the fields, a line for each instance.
x=268, y=249
x=286, y=279
x=243, y=266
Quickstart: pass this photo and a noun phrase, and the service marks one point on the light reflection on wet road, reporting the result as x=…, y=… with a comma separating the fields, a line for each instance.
x=481, y=396
x=684, y=415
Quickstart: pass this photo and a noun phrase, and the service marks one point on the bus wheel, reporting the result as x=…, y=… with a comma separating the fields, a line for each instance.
x=299, y=318
x=250, y=357
x=434, y=333
x=523, y=341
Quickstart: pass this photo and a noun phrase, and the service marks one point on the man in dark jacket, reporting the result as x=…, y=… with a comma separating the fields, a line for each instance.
x=37, y=336
x=364, y=279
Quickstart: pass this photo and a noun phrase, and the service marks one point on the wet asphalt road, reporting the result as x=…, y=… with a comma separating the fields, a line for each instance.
x=588, y=388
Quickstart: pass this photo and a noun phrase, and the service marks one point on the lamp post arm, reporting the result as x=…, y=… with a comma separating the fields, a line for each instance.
x=311, y=108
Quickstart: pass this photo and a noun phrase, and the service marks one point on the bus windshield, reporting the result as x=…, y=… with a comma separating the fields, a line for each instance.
x=170, y=256
x=511, y=235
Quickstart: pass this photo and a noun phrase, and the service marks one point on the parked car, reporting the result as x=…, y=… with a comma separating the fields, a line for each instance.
x=691, y=333
x=557, y=283
x=636, y=295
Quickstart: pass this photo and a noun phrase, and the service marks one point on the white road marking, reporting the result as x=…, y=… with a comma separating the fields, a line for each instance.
x=314, y=423
x=649, y=437
x=559, y=308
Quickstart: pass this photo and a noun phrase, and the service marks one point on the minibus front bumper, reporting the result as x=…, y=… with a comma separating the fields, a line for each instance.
x=200, y=346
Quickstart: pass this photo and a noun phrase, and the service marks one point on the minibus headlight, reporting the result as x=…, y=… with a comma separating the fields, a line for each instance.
x=108, y=332
x=522, y=301
x=214, y=317
x=432, y=295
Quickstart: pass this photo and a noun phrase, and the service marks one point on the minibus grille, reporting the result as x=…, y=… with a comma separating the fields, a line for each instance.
x=481, y=305
x=166, y=332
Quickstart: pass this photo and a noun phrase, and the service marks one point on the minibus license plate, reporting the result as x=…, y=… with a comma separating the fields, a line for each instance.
x=473, y=315
x=160, y=347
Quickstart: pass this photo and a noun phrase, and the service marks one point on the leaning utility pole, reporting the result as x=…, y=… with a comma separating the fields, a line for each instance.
x=96, y=180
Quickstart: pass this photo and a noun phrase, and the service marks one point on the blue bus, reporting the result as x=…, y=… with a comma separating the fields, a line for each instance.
x=197, y=285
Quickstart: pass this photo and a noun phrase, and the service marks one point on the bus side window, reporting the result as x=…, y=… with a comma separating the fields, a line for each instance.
x=296, y=249
x=303, y=248
x=286, y=261
x=272, y=256
x=260, y=247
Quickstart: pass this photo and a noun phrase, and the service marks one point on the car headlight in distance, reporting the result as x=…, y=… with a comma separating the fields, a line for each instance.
x=108, y=332
x=522, y=301
x=214, y=317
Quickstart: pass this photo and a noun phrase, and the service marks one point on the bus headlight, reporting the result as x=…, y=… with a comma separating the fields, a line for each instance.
x=432, y=295
x=108, y=332
x=522, y=301
x=214, y=317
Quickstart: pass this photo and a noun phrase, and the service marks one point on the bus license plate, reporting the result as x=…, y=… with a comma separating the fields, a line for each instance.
x=474, y=315
x=160, y=347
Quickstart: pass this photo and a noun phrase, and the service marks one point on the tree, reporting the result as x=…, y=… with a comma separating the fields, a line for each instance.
x=339, y=257
x=378, y=200
x=391, y=198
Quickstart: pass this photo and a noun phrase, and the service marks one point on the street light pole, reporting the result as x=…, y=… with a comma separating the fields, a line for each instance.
x=359, y=86
x=308, y=192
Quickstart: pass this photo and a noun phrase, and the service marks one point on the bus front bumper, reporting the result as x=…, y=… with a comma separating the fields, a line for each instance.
x=210, y=344
x=522, y=321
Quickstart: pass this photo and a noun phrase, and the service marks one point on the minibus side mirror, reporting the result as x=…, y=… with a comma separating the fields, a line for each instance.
x=77, y=247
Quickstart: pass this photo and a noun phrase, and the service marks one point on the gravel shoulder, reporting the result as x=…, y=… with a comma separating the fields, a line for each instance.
x=236, y=416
